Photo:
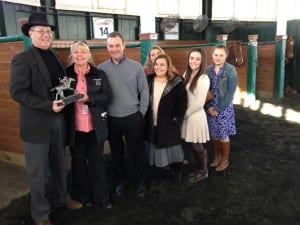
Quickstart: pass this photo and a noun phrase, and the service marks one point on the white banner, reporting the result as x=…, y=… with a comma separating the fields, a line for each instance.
x=102, y=27
x=173, y=34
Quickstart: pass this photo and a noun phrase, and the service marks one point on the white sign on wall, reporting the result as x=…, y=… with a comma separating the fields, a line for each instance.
x=173, y=34
x=102, y=27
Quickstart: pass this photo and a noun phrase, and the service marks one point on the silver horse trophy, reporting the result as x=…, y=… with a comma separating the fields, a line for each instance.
x=65, y=85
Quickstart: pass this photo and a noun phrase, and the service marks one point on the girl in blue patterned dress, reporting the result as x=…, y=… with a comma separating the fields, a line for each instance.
x=221, y=119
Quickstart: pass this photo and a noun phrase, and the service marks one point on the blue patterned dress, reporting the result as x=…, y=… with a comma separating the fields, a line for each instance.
x=223, y=125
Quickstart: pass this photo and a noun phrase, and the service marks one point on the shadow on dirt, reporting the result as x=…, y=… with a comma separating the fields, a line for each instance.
x=261, y=186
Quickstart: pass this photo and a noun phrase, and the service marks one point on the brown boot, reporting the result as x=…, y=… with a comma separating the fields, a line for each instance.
x=73, y=204
x=43, y=222
x=225, y=157
x=217, y=153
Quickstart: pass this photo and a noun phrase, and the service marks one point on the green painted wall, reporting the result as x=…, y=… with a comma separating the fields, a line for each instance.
x=9, y=17
x=72, y=25
x=78, y=25
x=251, y=68
x=279, y=68
x=292, y=71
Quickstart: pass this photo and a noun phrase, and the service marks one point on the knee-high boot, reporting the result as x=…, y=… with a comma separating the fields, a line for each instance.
x=225, y=156
x=217, y=153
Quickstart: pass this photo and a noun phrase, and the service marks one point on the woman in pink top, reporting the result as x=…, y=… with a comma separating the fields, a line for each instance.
x=87, y=127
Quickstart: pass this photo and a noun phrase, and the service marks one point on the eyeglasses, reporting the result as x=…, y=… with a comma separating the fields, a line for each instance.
x=43, y=32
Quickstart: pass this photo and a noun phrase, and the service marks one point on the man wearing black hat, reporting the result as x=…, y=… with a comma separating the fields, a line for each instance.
x=42, y=127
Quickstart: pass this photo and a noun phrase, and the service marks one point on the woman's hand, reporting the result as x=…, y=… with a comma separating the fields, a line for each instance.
x=85, y=98
x=212, y=111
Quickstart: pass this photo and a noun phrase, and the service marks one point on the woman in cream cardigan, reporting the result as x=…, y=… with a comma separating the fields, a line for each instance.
x=194, y=127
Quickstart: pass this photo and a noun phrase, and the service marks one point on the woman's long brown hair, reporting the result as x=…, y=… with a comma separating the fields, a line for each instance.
x=189, y=70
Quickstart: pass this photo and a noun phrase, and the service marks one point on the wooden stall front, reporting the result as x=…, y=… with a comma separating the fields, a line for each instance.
x=10, y=144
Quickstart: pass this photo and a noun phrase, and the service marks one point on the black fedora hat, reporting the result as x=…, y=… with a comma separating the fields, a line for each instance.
x=36, y=19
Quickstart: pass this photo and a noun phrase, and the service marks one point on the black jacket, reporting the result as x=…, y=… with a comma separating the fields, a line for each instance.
x=30, y=84
x=171, y=110
x=99, y=92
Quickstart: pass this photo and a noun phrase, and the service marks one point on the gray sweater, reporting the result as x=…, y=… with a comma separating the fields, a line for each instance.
x=129, y=87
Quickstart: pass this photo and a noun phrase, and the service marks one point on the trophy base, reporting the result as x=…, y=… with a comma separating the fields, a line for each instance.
x=71, y=98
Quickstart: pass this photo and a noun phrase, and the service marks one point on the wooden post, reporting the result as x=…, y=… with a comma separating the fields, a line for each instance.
x=251, y=68
x=279, y=66
x=147, y=41
x=222, y=39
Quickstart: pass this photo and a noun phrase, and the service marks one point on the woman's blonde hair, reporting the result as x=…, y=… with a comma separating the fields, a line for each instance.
x=149, y=64
x=80, y=44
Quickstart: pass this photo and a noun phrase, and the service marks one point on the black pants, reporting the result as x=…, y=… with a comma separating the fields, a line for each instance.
x=132, y=129
x=88, y=169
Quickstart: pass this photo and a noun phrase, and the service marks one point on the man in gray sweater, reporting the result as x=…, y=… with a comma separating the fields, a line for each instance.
x=126, y=113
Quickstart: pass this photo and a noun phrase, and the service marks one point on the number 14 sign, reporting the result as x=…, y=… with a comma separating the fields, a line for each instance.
x=102, y=27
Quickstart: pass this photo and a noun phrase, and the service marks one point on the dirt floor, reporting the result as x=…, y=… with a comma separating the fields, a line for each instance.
x=261, y=186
